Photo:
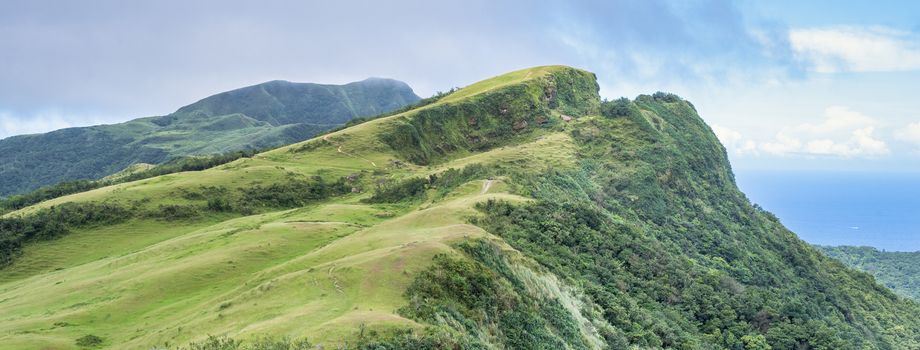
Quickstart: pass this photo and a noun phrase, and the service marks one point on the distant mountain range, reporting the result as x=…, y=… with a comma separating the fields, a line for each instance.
x=254, y=117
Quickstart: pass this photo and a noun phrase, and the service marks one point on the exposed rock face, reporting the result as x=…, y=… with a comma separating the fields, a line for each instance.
x=549, y=93
x=519, y=125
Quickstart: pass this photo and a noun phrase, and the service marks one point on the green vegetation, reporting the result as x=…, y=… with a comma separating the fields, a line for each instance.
x=899, y=271
x=489, y=301
x=89, y=341
x=53, y=223
x=56, y=221
x=45, y=193
x=370, y=340
x=452, y=225
x=226, y=343
x=390, y=192
x=654, y=229
x=256, y=117
x=190, y=163
x=487, y=120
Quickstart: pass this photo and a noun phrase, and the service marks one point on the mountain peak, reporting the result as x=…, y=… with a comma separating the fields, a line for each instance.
x=281, y=102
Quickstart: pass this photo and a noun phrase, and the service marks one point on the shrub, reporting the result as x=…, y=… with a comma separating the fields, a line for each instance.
x=393, y=192
x=89, y=341
x=52, y=223
x=266, y=343
x=175, y=165
x=665, y=97
x=620, y=107
x=175, y=211
x=215, y=343
x=263, y=343
x=451, y=178
x=45, y=193
x=219, y=204
x=294, y=193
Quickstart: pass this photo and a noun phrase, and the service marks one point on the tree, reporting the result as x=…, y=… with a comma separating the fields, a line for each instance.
x=755, y=342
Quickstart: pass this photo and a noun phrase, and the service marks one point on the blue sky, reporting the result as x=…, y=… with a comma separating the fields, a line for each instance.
x=787, y=85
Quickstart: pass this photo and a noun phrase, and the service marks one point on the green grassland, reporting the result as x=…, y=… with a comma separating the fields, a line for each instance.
x=481, y=220
x=319, y=272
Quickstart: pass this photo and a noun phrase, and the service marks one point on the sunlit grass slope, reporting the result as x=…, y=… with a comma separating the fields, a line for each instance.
x=322, y=271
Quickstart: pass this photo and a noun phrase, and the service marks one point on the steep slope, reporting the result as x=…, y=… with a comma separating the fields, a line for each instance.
x=255, y=117
x=483, y=220
x=899, y=271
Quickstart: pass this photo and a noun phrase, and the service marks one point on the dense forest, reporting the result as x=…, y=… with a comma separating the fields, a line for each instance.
x=899, y=271
x=652, y=228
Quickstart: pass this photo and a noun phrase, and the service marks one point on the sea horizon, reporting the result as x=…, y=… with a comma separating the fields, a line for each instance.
x=856, y=208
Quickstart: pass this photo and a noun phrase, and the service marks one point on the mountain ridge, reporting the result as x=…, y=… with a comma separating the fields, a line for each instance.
x=215, y=124
x=278, y=94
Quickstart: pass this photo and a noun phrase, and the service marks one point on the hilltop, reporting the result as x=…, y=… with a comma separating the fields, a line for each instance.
x=518, y=212
x=255, y=117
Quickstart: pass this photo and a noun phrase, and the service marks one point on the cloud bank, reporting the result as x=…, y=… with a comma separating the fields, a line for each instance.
x=841, y=133
x=856, y=49
x=110, y=57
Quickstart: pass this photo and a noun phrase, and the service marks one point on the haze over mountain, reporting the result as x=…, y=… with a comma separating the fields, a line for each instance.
x=520, y=212
x=254, y=117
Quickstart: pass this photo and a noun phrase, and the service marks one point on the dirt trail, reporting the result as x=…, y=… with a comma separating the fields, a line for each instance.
x=339, y=149
x=335, y=280
x=485, y=186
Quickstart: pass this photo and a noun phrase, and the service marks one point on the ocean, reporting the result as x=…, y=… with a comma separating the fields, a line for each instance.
x=880, y=210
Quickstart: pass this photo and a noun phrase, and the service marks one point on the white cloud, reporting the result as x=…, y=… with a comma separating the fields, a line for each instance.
x=726, y=135
x=733, y=141
x=12, y=124
x=782, y=144
x=856, y=49
x=910, y=133
x=842, y=133
x=837, y=119
x=868, y=144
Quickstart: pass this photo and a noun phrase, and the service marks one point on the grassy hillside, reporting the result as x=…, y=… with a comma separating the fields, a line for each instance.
x=480, y=221
x=899, y=271
x=270, y=114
